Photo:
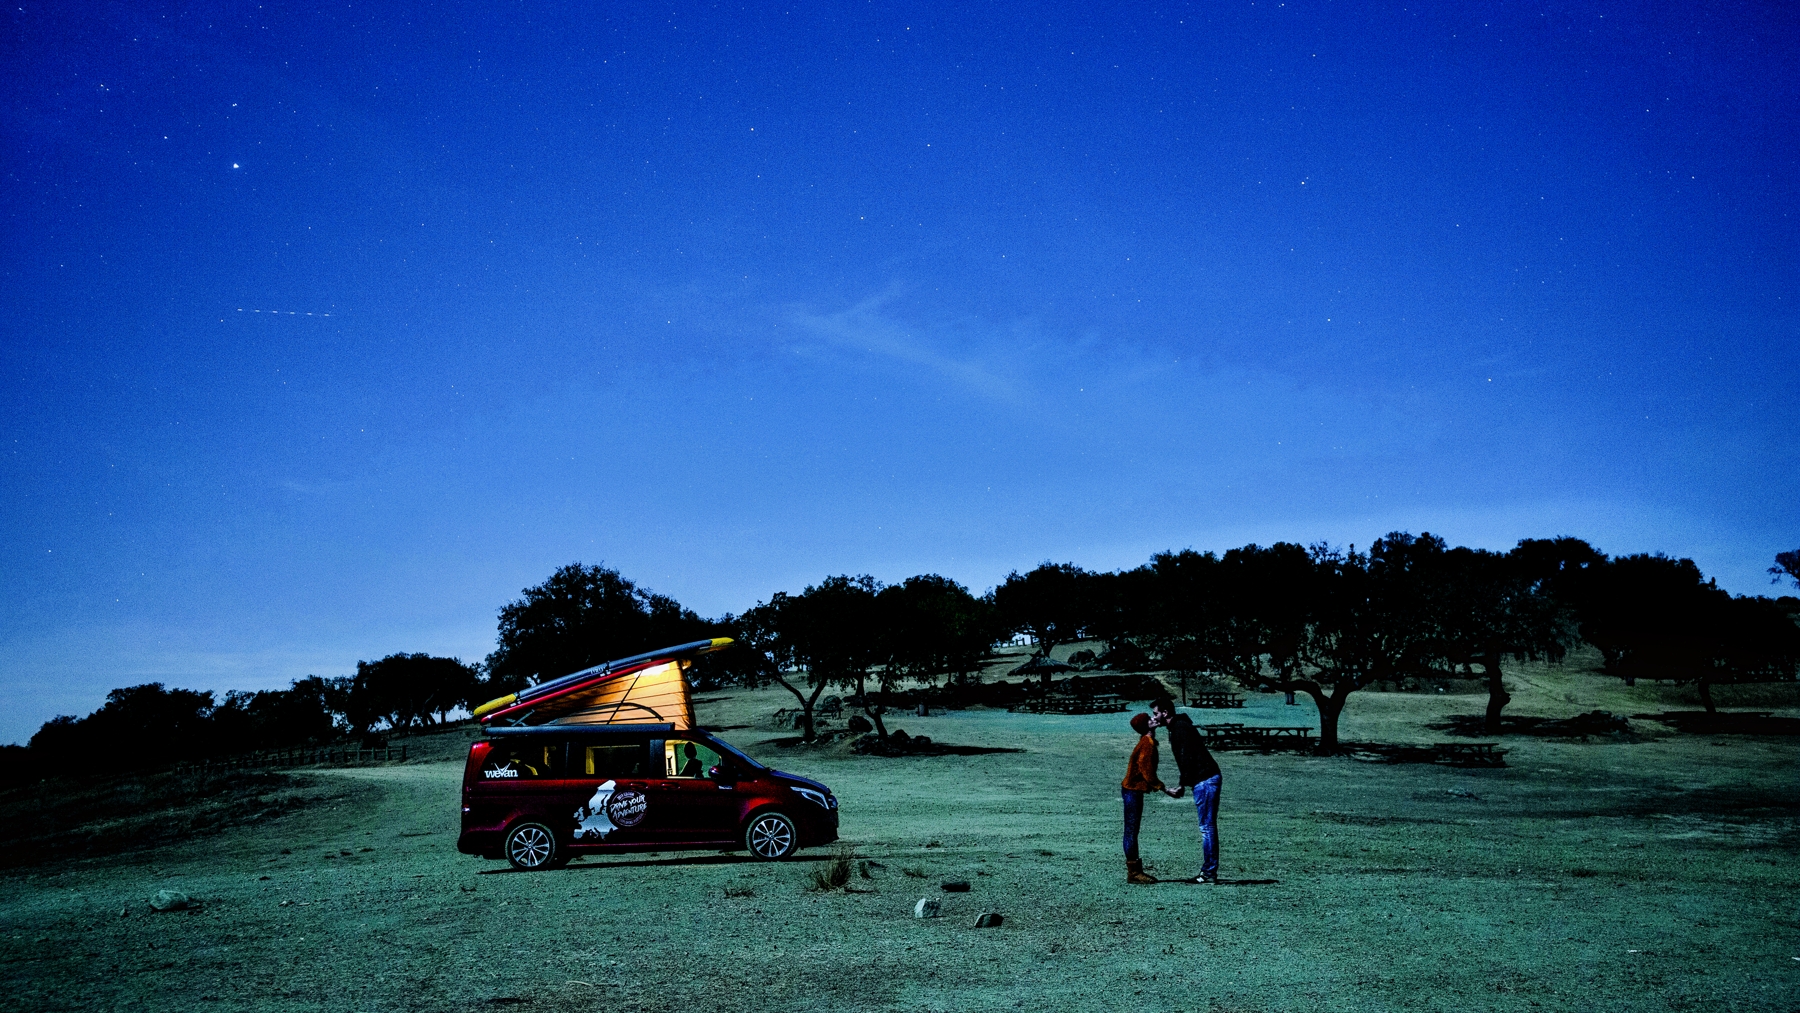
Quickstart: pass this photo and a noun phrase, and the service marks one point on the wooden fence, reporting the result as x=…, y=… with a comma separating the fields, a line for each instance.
x=320, y=757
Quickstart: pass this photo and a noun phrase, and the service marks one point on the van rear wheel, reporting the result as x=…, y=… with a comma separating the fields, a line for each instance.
x=531, y=847
x=771, y=835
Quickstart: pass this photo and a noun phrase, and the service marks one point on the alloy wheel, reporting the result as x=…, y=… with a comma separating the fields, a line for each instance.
x=770, y=836
x=531, y=847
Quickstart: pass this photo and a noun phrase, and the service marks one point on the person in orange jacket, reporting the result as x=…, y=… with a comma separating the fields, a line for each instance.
x=1140, y=777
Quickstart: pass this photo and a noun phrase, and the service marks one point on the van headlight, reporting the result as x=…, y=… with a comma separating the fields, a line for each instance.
x=814, y=796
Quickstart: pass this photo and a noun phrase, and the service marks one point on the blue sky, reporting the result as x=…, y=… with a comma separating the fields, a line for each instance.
x=733, y=299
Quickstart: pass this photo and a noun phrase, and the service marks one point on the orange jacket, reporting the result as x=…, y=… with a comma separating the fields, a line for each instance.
x=1141, y=774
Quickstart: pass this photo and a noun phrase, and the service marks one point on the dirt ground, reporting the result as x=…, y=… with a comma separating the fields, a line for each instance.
x=1647, y=872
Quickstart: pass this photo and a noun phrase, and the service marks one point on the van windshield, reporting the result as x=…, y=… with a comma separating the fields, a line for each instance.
x=727, y=748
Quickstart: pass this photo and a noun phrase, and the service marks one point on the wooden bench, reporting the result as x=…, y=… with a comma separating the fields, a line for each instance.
x=1216, y=701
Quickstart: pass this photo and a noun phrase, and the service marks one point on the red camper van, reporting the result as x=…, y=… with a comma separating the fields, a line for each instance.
x=609, y=759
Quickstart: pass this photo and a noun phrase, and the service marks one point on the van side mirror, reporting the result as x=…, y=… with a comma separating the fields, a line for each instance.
x=721, y=773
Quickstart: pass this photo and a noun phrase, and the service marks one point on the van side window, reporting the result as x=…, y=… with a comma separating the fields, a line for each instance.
x=616, y=759
x=523, y=761
x=682, y=758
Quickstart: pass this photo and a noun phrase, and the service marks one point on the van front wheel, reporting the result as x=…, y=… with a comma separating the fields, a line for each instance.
x=771, y=836
x=531, y=847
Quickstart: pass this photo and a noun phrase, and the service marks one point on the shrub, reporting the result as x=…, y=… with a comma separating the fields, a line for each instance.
x=836, y=873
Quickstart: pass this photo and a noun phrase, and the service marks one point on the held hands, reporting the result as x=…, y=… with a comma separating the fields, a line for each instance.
x=1172, y=792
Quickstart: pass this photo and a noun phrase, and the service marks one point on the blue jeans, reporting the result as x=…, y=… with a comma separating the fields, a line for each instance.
x=1134, y=815
x=1206, y=806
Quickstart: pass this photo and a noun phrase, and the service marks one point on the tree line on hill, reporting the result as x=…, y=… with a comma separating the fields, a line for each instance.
x=1328, y=622
x=1322, y=621
x=150, y=725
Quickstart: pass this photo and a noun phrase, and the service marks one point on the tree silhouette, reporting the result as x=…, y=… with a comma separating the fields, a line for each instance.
x=1560, y=566
x=1787, y=564
x=413, y=689
x=1653, y=617
x=1648, y=616
x=580, y=617
x=137, y=726
x=274, y=717
x=1758, y=641
x=835, y=632
x=1051, y=603
x=764, y=653
x=1179, y=604
x=1359, y=619
x=1269, y=594
x=931, y=627
x=1119, y=606
x=1490, y=607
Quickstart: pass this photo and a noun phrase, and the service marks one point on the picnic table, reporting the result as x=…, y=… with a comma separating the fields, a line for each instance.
x=1099, y=703
x=1265, y=737
x=1470, y=754
x=1216, y=700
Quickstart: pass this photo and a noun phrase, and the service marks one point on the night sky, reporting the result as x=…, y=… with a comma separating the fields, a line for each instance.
x=326, y=331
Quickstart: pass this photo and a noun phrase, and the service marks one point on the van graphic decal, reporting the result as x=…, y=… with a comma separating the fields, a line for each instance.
x=609, y=810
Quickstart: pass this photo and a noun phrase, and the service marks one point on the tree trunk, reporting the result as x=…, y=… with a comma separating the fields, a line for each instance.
x=1329, y=708
x=1706, y=696
x=1045, y=643
x=1285, y=675
x=1498, y=697
x=871, y=708
x=806, y=705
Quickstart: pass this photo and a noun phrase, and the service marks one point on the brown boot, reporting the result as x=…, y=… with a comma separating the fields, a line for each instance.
x=1134, y=872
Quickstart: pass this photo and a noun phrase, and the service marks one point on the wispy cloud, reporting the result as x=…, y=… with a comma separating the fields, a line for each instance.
x=865, y=328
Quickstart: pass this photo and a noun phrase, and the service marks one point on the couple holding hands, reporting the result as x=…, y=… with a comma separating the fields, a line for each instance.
x=1199, y=771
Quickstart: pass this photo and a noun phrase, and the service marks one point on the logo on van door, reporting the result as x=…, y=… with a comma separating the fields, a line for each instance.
x=609, y=810
x=627, y=808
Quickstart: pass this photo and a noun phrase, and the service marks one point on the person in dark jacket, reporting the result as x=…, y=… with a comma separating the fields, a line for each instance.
x=1199, y=772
